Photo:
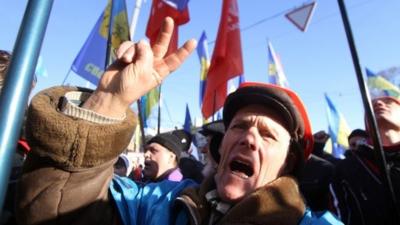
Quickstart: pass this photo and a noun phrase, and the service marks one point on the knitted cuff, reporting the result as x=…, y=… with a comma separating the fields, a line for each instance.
x=70, y=107
x=72, y=143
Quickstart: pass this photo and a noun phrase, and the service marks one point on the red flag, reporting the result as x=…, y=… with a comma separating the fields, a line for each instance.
x=226, y=61
x=161, y=9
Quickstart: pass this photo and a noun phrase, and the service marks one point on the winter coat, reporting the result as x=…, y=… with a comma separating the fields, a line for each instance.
x=162, y=203
x=67, y=174
x=68, y=179
x=314, y=183
x=360, y=190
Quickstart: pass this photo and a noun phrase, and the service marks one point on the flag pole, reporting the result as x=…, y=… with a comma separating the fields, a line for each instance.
x=109, y=43
x=141, y=122
x=66, y=76
x=135, y=16
x=367, y=106
x=159, y=110
x=214, y=104
x=15, y=93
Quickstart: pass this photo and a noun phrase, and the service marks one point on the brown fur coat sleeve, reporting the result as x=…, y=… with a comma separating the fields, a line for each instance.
x=66, y=176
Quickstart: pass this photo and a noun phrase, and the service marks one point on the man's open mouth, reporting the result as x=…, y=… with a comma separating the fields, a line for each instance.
x=242, y=169
x=147, y=164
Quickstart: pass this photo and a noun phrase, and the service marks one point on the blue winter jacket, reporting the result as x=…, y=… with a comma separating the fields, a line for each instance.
x=152, y=203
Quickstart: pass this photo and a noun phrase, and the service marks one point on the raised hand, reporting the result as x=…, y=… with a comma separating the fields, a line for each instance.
x=138, y=69
x=321, y=136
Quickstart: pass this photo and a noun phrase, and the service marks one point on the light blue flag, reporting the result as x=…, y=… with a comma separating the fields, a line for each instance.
x=40, y=68
x=338, y=129
x=98, y=51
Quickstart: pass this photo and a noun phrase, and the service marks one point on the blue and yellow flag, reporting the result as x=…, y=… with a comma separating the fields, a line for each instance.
x=338, y=129
x=204, y=57
x=379, y=86
x=98, y=51
x=148, y=102
x=275, y=69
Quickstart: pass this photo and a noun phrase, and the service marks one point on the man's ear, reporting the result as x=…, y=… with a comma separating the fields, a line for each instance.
x=172, y=159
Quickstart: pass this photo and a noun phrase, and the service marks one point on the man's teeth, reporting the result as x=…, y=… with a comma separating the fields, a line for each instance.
x=241, y=175
x=244, y=163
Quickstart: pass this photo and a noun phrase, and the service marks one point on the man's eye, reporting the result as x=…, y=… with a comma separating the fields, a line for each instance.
x=267, y=134
x=238, y=126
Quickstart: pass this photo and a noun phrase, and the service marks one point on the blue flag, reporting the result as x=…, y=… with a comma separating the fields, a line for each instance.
x=219, y=115
x=188, y=120
x=178, y=4
x=98, y=51
x=338, y=129
x=241, y=80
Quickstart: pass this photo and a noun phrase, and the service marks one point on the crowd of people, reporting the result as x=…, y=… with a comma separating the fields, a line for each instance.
x=262, y=164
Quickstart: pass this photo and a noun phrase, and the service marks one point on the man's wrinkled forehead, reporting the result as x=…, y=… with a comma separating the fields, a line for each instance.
x=252, y=112
x=153, y=146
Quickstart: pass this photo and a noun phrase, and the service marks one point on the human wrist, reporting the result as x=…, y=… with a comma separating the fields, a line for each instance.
x=106, y=104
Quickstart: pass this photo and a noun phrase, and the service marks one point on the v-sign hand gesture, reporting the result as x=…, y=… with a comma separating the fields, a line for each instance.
x=138, y=69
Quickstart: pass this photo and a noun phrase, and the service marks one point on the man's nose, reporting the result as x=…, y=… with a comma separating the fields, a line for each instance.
x=377, y=102
x=251, y=138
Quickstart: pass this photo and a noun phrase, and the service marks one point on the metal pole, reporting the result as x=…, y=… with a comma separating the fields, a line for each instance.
x=367, y=106
x=141, y=121
x=214, y=105
x=159, y=110
x=109, y=38
x=135, y=16
x=14, y=97
x=65, y=78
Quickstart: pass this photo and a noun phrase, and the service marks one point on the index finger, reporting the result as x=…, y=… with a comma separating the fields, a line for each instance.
x=161, y=45
x=174, y=60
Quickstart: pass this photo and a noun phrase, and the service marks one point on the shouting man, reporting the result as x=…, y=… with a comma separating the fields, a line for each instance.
x=268, y=136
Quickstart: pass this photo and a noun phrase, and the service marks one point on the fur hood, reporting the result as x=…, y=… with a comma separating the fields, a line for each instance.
x=279, y=202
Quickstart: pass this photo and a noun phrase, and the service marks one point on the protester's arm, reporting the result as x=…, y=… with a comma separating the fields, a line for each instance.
x=139, y=69
x=320, y=139
x=67, y=174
